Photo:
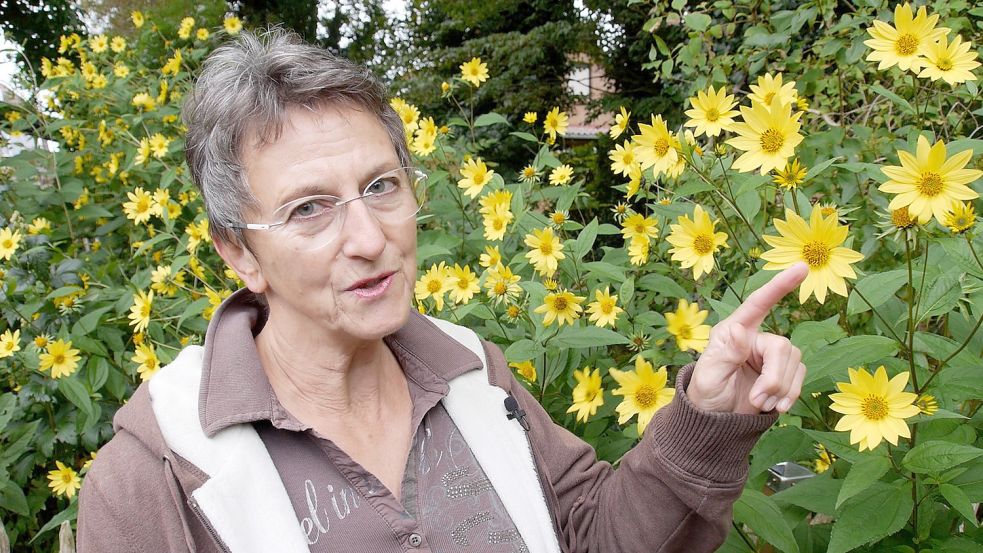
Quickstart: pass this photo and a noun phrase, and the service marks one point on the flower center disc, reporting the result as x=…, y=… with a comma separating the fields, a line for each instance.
x=560, y=304
x=944, y=64
x=646, y=396
x=433, y=287
x=930, y=184
x=546, y=248
x=685, y=333
x=703, y=244
x=772, y=141
x=874, y=407
x=712, y=115
x=816, y=254
x=661, y=147
x=906, y=45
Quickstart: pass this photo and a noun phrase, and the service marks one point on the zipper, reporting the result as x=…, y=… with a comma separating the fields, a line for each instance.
x=543, y=485
x=208, y=525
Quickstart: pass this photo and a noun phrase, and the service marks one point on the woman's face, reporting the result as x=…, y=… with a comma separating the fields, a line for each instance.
x=335, y=150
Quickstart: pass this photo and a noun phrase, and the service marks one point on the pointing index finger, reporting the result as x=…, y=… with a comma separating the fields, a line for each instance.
x=752, y=312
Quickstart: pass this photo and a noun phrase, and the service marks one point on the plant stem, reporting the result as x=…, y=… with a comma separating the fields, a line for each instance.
x=911, y=316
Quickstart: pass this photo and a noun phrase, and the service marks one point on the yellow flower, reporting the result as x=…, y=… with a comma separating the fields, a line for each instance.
x=214, y=300
x=162, y=281
x=686, y=325
x=525, y=369
x=907, y=42
x=791, y=176
x=873, y=407
x=187, y=25
x=146, y=358
x=140, y=310
x=529, y=174
x=927, y=404
x=232, y=25
x=561, y=175
x=41, y=341
x=140, y=207
x=502, y=285
x=476, y=175
x=556, y=123
x=620, y=123
x=496, y=223
x=818, y=243
x=769, y=87
x=802, y=104
x=768, y=136
x=9, y=343
x=588, y=394
x=695, y=241
x=557, y=218
x=121, y=70
x=8, y=243
x=98, y=43
x=64, y=480
x=202, y=34
x=604, y=311
x=547, y=251
x=563, y=307
x=61, y=358
x=433, y=284
x=158, y=145
x=961, y=218
x=463, y=284
x=713, y=112
x=530, y=117
x=474, y=72
x=637, y=227
x=408, y=113
x=144, y=101
x=623, y=159
x=654, y=146
x=173, y=65
x=499, y=200
x=954, y=63
x=644, y=390
x=638, y=252
x=118, y=44
x=928, y=182
x=137, y=18
x=491, y=258
x=824, y=461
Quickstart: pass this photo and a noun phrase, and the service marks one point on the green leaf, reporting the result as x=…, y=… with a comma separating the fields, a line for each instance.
x=90, y=321
x=63, y=291
x=627, y=292
x=523, y=350
x=819, y=168
x=12, y=499
x=876, y=288
x=848, y=352
x=698, y=21
x=760, y=512
x=490, y=118
x=524, y=136
x=959, y=501
x=662, y=285
x=426, y=251
x=586, y=238
x=7, y=402
x=810, y=335
x=937, y=456
x=605, y=271
x=941, y=297
x=816, y=494
x=901, y=102
x=862, y=475
x=587, y=336
x=779, y=443
x=70, y=513
x=72, y=389
x=881, y=511
x=838, y=443
x=89, y=345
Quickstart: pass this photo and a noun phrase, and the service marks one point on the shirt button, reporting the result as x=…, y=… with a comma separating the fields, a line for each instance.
x=415, y=540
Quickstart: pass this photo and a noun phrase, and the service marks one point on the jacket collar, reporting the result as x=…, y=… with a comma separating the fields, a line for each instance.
x=235, y=389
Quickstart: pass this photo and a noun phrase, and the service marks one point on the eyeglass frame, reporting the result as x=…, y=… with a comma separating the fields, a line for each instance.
x=420, y=176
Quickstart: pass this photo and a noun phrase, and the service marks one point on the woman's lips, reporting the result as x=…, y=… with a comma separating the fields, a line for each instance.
x=373, y=288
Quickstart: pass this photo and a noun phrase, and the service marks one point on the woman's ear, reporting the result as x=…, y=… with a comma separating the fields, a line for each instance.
x=242, y=261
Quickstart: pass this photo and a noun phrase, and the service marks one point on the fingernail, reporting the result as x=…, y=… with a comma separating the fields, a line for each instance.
x=784, y=404
x=760, y=399
x=769, y=404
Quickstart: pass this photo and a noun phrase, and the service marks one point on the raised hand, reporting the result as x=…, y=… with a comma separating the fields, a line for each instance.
x=746, y=371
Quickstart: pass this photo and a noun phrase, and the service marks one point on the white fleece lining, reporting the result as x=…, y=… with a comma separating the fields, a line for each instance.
x=500, y=445
x=245, y=503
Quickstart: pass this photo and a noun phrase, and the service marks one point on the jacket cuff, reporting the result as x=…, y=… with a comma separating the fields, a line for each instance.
x=708, y=444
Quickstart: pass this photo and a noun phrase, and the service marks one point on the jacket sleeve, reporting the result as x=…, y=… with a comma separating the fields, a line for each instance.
x=127, y=502
x=672, y=492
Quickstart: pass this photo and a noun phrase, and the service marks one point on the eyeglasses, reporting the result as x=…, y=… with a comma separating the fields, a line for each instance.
x=313, y=222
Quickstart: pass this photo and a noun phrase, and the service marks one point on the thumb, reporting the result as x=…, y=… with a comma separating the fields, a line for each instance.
x=731, y=349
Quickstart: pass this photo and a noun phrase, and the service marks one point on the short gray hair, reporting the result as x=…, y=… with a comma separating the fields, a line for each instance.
x=242, y=93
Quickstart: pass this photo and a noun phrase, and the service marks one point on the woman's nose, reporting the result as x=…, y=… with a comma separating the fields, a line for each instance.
x=362, y=232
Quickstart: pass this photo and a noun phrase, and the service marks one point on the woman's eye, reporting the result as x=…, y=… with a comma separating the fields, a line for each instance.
x=309, y=209
x=382, y=186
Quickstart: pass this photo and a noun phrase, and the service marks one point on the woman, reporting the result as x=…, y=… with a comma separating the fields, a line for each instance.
x=324, y=414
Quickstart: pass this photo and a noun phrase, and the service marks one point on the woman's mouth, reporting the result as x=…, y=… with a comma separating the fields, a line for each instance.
x=372, y=287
